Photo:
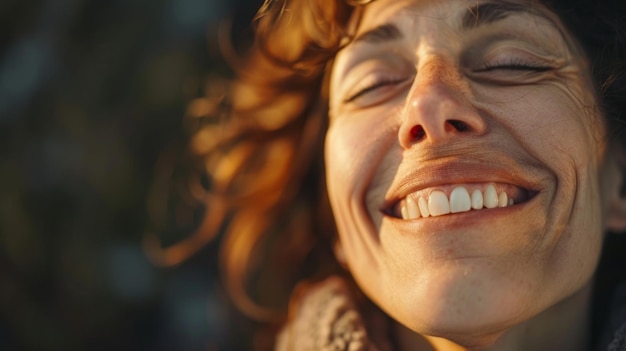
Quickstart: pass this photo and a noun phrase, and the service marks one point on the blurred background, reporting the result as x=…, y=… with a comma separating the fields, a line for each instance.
x=93, y=96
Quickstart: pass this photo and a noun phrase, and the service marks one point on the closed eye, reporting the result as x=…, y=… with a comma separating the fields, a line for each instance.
x=511, y=71
x=514, y=67
x=371, y=88
x=374, y=91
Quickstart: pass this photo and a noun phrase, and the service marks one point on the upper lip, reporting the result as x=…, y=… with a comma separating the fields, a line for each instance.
x=459, y=171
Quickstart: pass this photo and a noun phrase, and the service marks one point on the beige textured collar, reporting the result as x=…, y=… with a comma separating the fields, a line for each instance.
x=324, y=316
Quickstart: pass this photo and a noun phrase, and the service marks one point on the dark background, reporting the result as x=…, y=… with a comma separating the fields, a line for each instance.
x=92, y=94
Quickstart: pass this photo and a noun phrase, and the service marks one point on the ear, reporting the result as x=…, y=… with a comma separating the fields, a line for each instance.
x=614, y=180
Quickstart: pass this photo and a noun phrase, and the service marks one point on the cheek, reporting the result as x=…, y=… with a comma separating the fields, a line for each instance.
x=560, y=128
x=567, y=139
x=342, y=160
x=355, y=148
x=347, y=176
x=557, y=124
x=343, y=167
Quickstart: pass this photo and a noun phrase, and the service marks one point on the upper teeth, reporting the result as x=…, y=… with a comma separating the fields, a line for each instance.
x=438, y=204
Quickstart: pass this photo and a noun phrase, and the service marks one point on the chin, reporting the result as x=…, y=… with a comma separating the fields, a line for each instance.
x=472, y=302
x=459, y=301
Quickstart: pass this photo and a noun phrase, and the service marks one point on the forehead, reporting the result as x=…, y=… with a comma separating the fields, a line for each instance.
x=460, y=14
x=451, y=22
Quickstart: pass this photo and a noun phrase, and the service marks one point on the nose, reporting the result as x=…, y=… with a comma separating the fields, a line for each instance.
x=437, y=108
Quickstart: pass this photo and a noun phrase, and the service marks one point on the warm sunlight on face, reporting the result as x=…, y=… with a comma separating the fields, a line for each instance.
x=463, y=163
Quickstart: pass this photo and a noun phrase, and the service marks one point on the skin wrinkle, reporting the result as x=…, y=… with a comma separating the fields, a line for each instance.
x=559, y=227
x=596, y=124
x=564, y=153
x=569, y=91
x=362, y=241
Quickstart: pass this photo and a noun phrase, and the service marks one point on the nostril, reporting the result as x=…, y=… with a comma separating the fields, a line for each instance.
x=458, y=125
x=417, y=133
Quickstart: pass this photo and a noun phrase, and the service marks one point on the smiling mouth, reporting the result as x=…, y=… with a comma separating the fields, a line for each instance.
x=458, y=198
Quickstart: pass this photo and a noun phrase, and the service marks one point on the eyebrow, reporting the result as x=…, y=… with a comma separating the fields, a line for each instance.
x=475, y=16
x=490, y=12
x=380, y=34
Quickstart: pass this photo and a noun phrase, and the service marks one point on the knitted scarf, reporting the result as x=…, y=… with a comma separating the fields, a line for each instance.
x=326, y=318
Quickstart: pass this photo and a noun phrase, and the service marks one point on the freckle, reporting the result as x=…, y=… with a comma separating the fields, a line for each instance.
x=443, y=71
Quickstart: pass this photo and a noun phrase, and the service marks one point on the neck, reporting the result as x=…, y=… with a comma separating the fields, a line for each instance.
x=564, y=326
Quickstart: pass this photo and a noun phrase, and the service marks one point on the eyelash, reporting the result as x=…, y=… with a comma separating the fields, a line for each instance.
x=379, y=84
x=514, y=65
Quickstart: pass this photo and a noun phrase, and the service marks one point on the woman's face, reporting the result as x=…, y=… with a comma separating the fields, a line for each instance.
x=463, y=163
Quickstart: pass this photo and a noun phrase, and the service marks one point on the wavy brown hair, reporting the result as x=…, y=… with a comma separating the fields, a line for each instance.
x=260, y=144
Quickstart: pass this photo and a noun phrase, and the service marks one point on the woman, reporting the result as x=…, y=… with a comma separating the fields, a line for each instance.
x=472, y=163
